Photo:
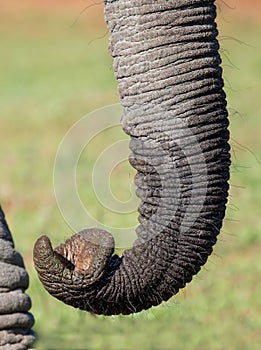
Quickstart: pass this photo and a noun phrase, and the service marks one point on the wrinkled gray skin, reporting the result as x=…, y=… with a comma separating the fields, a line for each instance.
x=167, y=65
x=15, y=320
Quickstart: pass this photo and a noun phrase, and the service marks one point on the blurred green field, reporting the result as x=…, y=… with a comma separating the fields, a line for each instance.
x=52, y=72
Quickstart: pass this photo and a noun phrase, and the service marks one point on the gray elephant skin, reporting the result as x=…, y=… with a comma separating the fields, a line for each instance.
x=167, y=64
x=15, y=320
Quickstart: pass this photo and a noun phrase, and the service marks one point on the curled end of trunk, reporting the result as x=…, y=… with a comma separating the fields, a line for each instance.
x=82, y=258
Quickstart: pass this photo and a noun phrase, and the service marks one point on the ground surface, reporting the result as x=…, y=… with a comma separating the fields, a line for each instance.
x=54, y=69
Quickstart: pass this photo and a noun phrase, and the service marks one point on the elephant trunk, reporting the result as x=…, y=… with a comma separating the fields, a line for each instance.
x=167, y=65
x=15, y=320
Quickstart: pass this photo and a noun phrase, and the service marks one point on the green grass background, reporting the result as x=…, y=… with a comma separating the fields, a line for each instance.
x=52, y=72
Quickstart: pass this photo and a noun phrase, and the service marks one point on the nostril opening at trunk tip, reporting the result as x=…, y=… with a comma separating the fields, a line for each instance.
x=66, y=263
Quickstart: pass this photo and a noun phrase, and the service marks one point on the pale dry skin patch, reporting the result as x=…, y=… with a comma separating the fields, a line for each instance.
x=79, y=253
x=86, y=251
